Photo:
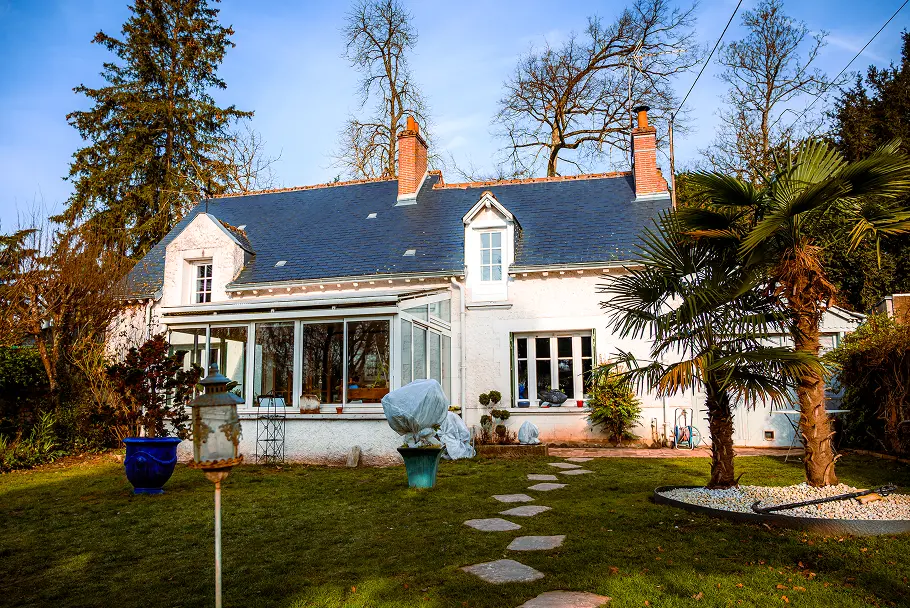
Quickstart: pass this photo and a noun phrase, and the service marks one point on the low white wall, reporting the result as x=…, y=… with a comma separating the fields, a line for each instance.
x=324, y=439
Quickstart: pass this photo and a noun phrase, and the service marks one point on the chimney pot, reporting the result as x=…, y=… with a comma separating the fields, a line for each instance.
x=642, y=116
x=648, y=179
x=412, y=125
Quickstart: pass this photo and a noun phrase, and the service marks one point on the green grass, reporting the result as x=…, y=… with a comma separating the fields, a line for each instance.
x=310, y=536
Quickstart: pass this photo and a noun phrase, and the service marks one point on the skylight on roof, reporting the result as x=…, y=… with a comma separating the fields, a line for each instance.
x=241, y=227
x=280, y=263
x=372, y=216
x=410, y=253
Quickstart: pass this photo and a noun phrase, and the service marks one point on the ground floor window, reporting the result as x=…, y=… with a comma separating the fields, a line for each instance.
x=227, y=347
x=273, y=369
x=426, y=347
x=558, y=360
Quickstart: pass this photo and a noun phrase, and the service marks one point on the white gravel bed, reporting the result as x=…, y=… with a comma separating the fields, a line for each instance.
x=740, y=499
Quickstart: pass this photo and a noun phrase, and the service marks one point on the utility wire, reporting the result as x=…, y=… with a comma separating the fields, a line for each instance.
x=708, y=60
x=825, y=90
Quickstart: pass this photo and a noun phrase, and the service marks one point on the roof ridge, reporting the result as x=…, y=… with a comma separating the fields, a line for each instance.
x=351, y=182
x=533, y=180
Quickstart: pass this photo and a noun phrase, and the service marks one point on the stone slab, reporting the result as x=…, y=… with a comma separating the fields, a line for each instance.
x=564, y=465
x=493, y=524
x=536, y=543
x=546, y=487
x=576, y=472
x=566, y=599
x=504, y=571
x=536, y=477
x=513, y=498
x=525, y=511
x=578, y=459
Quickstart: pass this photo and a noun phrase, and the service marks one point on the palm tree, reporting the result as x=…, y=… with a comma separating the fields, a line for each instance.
x=701, y=310
x=779, y=229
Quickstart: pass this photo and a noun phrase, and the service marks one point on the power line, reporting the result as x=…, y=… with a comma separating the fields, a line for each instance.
x=825, y=90
x=708, y=60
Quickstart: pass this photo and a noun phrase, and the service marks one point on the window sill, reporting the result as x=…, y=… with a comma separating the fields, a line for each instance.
x=536, y=409
x=253, y=414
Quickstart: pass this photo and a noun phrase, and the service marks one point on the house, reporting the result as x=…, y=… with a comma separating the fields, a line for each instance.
x=326, y=297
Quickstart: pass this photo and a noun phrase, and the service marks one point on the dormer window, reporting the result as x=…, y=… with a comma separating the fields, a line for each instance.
x=203, y=283
x=491, y=256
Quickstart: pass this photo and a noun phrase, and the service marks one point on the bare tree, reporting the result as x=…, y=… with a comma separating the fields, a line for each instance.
x=378, y=37
x=577, y=96
x=247, y=165
x=766, y=72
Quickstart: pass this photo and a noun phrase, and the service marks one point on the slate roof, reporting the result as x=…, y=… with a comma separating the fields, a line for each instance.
x=324, y=233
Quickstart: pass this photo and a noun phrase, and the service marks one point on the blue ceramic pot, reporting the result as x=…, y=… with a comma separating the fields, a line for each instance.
x=149, y=463
x=421, y=465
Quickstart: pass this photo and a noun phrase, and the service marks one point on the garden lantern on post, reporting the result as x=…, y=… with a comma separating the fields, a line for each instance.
x=216, y=436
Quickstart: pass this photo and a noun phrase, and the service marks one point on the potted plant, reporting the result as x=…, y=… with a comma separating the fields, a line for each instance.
x=416, y=411
x=152, y=389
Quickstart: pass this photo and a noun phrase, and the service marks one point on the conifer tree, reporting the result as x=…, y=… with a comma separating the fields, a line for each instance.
x=154, y=131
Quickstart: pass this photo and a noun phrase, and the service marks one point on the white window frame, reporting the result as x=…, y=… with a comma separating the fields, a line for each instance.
x=491, y=249
x=194, y=279
x=577, y=357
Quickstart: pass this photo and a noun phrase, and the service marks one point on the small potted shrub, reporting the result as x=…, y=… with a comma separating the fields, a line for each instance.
x=416, y=411
x=613, y=405
x=152, y=390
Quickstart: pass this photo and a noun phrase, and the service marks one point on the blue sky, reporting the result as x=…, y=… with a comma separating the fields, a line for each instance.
x=288, y=68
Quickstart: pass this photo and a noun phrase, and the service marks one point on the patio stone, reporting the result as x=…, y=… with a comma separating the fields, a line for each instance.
x=513, y=498
x=493, y=524
x=536, y=477
x=546, y=487
x=578, y=459
x=525, y=510
x=576, y=472
x=536, y=543
x=564, y=465
x=504, y=571
x=566, y=599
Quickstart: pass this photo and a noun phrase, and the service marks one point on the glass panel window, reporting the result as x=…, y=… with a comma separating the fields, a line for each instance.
x=446, y=359
x=190, y=342
x=203, y=285
x=369, y=363
x=587, y=363
x=273, y=370
x=435, y=362
x=543, y=368
x=228, y=349
x=322, y=349
x=521, y=352
x=406, y=371
x=491, y=256
x=420, y=353
x=418, y=312
x=441, y=310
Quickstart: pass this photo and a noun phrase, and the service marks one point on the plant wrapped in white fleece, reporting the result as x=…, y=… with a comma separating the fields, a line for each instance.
x=416, y=411
x=456, y=437
x=528, y=433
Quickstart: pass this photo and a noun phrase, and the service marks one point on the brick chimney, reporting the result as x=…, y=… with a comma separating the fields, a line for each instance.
x=412, y=160
x=648, y=179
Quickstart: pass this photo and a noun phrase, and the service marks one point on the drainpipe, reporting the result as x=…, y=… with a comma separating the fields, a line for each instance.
x=461, y=365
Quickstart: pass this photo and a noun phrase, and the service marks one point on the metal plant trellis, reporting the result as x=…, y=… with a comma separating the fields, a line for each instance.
x=270, y=425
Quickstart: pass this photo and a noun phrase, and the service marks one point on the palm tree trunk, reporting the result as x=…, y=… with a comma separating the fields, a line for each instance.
x=814, y=424
x=720, y=424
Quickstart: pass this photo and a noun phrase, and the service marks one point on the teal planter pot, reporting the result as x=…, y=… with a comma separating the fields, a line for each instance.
x=421, y=465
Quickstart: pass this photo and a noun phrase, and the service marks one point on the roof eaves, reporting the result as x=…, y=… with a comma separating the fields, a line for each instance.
x=441, y=274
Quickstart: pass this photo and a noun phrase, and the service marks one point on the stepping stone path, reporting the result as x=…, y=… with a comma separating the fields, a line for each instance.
x=579, y=459
x=525, y=511
x=494, y=524
x=504, y=571
x=546, y=487
x=513, y=498
x=566, y=599
x=511, y=571
x=536, y=543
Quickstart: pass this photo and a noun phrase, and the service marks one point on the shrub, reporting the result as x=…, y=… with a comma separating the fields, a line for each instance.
x=40, y=447
x=23, y=388
x=873, y=371
x=613, y=405
x=153, y=389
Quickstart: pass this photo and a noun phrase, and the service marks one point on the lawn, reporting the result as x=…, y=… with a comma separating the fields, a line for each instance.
x=310, y=536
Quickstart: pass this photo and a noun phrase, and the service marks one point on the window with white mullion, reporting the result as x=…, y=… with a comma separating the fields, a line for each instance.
x=491, y=256
x=554, y=360
x=203, y=283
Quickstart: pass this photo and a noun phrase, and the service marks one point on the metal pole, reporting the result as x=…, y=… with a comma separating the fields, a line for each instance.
x=672, y=166
x=218, y=544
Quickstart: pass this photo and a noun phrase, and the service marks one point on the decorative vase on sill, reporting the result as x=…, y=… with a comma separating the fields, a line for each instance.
x=339, y=409
x=581, y=403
